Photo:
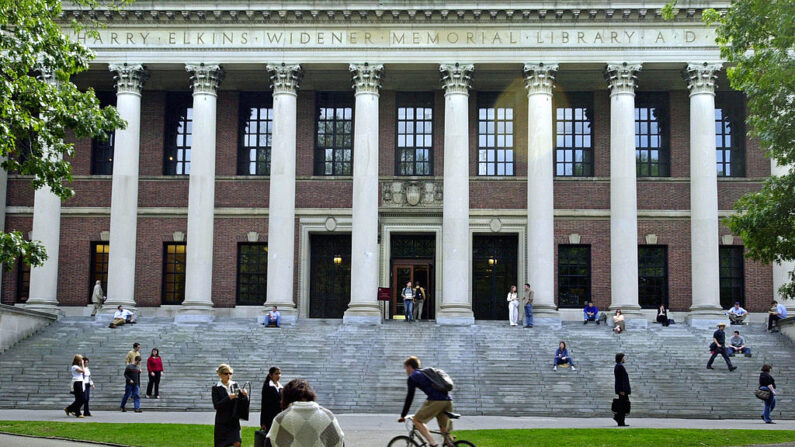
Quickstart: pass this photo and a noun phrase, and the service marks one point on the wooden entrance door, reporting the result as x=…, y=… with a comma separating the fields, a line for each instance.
x=412, y=270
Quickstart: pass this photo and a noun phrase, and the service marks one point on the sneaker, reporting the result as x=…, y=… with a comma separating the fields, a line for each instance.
x=157, y=397
x=554, y=368
x=732, y=368
x=139, y=411
x=123, y=410
x=573, y=368
x=146, y=396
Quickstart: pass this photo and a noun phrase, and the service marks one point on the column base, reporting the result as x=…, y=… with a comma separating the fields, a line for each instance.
x=546, y=316
x=194, y=313
x=706, y=317
x=288, y=312
x=455, y=316
x=366, y=314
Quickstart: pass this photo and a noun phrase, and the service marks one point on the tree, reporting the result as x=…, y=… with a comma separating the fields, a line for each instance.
x=39, y=104
x=757, y=39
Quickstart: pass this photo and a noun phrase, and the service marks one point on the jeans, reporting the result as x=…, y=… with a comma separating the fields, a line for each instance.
x=86, y=397
x=409, y=309
x=770, y=405
x=278, y=321
x=418, y=309
x=746, y=351
x=722, y=352
x=528, y=315
x=131, y=390
x=560, y=361
x=154, y=383
x=590, y=317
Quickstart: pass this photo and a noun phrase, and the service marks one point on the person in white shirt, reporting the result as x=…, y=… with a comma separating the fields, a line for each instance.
x=88, y=385
x=513, y=307
x=737, y=314
x=408, y=302
x=273, y=317
x=777, y=312
x=97, y=298
x=77, y=387
x=122, y=316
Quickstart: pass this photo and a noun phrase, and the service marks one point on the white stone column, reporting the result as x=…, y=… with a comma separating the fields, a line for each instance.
x=781, y=271
x=130, y=80
x=705, y=309
x=363, y=307
x=456, y=307
x=622, y=80
x=285, y=81
x=197, y=307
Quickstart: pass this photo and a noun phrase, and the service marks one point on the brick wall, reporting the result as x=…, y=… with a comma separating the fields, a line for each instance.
x=228, y=233
x=152, y=234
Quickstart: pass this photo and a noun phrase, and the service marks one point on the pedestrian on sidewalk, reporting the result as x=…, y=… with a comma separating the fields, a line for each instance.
x=408, y=302
x=718, y=346
x=527, y=303
x=271, y=398
x=135, y=352
x=226, y=396
x=132, y=385
x=77, y=387
x=562, y=357
x=621, y=406
x=88, y=385
x=513, y=306
x=767, y=383
x=97, y=298
x=304, y=423
x=154, y=365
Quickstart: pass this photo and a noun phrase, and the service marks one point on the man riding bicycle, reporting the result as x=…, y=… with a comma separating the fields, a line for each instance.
x=437, y=405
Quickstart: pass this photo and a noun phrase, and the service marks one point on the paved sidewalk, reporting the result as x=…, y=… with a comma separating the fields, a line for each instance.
x=378, y=429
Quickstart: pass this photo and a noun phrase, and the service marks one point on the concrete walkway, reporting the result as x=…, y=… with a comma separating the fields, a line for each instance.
x=377, y=429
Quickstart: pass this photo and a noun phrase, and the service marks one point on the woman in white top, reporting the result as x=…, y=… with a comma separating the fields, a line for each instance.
x=618, y=322
x=77, y=387
x=513, y=307
x=88, y=385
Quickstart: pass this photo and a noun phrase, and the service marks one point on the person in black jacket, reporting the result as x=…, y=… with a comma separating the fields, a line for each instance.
x=226, y=395
x=718, y=346
x=766, y=382
x=622, y=389
x=271, y=398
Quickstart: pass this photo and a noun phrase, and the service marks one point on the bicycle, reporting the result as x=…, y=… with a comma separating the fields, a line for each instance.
x=414, y=439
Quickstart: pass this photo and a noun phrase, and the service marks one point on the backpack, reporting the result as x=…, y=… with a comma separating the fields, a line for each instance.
x=439, y=379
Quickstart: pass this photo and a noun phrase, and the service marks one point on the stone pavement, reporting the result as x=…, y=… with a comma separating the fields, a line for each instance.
x=377, y=429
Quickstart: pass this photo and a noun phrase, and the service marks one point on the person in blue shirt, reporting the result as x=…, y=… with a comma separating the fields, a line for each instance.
x=777, y=312
x=437, y=406
x=562, y=356
x=590, y=313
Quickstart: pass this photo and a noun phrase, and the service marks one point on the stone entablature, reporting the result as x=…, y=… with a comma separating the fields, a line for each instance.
x=411, y=193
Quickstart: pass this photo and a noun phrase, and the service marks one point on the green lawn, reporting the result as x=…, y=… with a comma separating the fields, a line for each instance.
x=183, y=435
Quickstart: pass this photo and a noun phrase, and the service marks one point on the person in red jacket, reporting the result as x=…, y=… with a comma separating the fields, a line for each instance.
x=154, y=364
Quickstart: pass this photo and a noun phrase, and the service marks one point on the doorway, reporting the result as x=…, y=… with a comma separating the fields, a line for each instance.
x=494, y=271
x=412, y=259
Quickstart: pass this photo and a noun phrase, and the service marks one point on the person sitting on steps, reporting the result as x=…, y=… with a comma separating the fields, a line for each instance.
x=562, y=357
x=618, y=322
x=737, y=344
x=591, y=313
x=273, y=318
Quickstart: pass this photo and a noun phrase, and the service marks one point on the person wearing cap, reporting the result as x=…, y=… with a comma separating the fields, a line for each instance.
x=718, y=346
x=737, y=314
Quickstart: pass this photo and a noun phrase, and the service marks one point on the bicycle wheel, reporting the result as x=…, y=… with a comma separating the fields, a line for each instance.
x=403, y=441
x=463, y=443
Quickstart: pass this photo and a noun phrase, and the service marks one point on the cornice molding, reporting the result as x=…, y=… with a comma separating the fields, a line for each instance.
x=701, y=78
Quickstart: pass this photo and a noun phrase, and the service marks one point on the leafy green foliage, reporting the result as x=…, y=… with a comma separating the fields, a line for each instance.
x=39, y=104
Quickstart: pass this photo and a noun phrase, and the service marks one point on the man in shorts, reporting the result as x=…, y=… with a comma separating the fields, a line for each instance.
x=437, y=404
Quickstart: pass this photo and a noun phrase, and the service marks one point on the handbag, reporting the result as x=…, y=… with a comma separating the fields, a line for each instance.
x=762, y=394
x=621, y=407
x=242, y=403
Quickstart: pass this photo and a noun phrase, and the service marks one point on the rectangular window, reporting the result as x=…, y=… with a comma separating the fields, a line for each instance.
x=651, y=135
x=414, y=134
x=495, y=135
x=334, y=148
x=100, y=252
x=652, y=276
x=256, y=129
x=102, y=150
x=730, y=134
x=574, y=135
x=178, y=134
x=173, y=273
x=574, y=275
x=23, y=282
x=252, y=273
x=732, y=276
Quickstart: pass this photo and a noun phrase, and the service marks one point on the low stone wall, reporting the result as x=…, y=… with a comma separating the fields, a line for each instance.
x=787, y=327
x=17, y=324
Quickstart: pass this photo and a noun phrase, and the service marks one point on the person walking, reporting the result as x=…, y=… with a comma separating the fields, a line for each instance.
x=154, y=365
x=132, y=385
x=419, y=300
x=527, y=303
x=408, y=301
x=513, y=307
x=767, y=383
x=88, y=385
x=304, y=423
x=77, y=387
x=132, y=354
x=623, y=390
x=718, y=346
x=97, y=298
x=225, y=396
x=271, y=398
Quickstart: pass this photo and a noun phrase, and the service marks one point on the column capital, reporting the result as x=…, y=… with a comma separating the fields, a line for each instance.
x=205, y=79
x=539, y=78
x=366, y=78
x=622, y=77
x=285, y=78
x=701, y=78
x=456, y=78
x=129, y=78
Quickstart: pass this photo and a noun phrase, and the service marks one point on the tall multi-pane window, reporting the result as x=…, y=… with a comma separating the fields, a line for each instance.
x=256, y=129
x=100, y=252
x=730, y=134
x=495, y=135
x=414, y=134
x=179, y=133
x=651, y=135
x=574, y=275
x=252, y=273
x=574, y=135
x=102, y=150
x=173, y=273
x=334, y=148
x=652, y=276
x=23, y=282
x=732, y=276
